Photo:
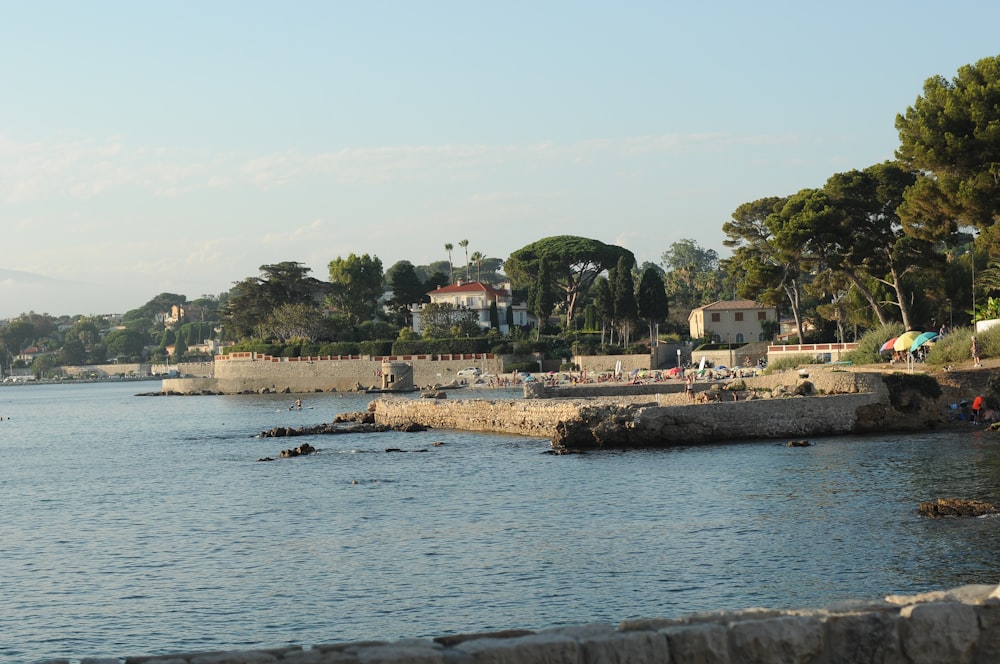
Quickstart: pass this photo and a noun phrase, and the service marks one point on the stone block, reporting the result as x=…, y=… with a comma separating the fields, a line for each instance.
x=233, y=657
x=785, y=640
x=988, y=645
x=534, y=649
x=703, y=643
x=402, y=652
x=939, y=632
x=601, y=643
x=853, y=638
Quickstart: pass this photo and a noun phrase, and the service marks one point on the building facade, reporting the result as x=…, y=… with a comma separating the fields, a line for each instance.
x=731, y=321
x=476, y=297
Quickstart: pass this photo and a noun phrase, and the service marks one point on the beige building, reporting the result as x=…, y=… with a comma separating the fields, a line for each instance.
x=730, y=321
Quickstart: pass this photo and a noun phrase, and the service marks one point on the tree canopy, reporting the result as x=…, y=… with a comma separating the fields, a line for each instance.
x=951, y=136
x=252, y=300
x=574, y=262
x=356, y=283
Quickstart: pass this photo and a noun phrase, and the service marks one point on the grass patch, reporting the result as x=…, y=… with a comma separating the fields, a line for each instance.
x=786, y=362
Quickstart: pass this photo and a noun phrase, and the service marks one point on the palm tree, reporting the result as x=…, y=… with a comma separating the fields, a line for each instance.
x=465, y=245
x=451, y=271
x=477, y=258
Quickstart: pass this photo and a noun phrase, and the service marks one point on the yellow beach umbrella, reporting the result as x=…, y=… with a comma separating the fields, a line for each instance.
x=905, y=340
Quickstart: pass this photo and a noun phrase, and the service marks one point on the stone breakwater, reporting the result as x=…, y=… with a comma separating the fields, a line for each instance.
x=960, y=626
x=845, y=402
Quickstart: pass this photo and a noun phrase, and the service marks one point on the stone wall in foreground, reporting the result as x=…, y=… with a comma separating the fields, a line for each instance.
x=643, y=423
x=960, y=626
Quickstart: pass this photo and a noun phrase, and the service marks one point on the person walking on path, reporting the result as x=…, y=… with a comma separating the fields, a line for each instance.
x=975, y=352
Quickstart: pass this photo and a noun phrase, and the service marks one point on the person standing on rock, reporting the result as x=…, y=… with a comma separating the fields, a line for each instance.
x=975, y=352
x=977, y=407
x=689, y=386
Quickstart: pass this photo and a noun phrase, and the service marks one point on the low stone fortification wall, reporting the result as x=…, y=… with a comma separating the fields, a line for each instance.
x=641, y=423
x=664, y=426
x=582, y=390
x=852, y=403
x=961, y=626
x=250, y=372
x=520, y=417
x=825, y=380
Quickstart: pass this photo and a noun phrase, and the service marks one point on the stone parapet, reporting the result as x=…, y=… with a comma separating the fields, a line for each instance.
x=850, y=403
x=954, y=627
x=241, y=372
x=513, y=416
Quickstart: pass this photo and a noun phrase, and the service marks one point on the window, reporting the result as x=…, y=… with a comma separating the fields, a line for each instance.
x=716, y=317
x=739, y=316
x=762, y=315
x=739, y=338
x=716, y=338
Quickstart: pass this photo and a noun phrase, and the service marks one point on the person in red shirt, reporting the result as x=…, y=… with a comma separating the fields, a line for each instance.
x=977, y=407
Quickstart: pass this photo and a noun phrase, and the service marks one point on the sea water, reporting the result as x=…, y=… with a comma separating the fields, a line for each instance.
x=146, y=525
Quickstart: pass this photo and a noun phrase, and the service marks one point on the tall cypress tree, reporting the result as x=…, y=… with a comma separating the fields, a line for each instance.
x=542, y=298
x=494, y=315
x=623, y=291
x=652, y=300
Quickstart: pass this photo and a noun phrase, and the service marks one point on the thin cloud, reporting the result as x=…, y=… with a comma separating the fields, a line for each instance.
x=94, y=168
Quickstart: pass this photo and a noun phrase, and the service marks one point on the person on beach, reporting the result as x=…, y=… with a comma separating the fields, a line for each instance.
x=689, y=386
x=975, y=352
x=977, y=407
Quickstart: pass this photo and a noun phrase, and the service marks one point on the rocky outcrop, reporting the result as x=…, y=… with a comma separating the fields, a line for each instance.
x=956, y=507
x=339, y=428
x=301, y=450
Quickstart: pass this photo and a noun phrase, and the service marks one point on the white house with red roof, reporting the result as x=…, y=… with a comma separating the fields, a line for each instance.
x=476, y=297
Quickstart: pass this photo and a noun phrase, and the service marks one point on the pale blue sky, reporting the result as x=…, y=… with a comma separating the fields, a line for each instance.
x=149, y=147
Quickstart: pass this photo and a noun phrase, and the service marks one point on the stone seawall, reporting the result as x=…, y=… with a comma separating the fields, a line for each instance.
x=960, y=626
x=252, y=372
x=582, y=423
x=850, y=403
x=514, y=416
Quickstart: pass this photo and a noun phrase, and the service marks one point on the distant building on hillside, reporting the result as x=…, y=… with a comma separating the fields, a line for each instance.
x=476, y=297
x=731, y=321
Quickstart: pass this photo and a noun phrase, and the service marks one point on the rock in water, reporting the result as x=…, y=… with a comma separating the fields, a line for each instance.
x=957, y=507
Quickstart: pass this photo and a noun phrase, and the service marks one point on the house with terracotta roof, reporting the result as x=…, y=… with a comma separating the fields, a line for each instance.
x=731, y=321
x=476, y=297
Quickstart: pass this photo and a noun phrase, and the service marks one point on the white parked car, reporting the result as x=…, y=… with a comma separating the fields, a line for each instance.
x=471, y=371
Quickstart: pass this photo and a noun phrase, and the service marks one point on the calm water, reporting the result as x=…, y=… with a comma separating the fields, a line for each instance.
x=139, y=525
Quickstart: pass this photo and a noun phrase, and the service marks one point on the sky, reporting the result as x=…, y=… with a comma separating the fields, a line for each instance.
x=177, y=147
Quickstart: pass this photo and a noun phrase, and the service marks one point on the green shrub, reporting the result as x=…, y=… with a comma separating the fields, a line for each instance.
x=340, y=348
x=869, y=345
x=375, y=348
x=522, y=348
x=522, y=366
x=956, y=346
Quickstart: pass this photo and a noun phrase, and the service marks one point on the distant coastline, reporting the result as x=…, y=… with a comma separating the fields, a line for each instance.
x=75, y=381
